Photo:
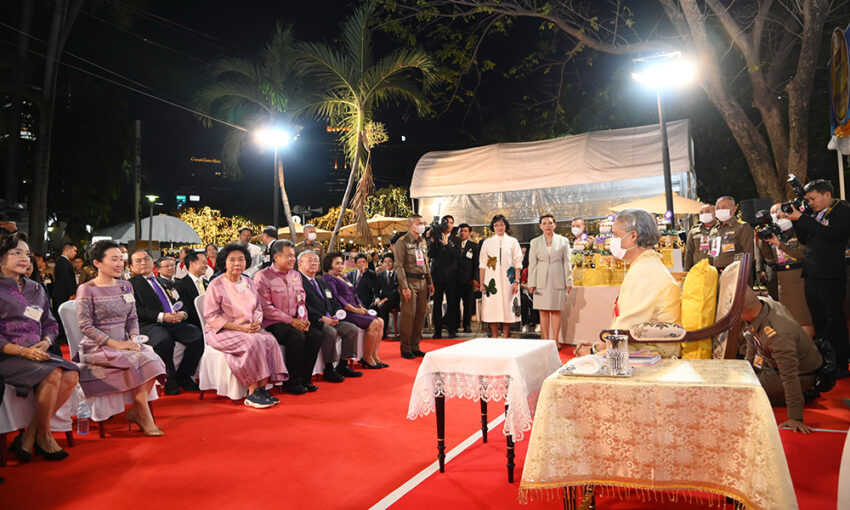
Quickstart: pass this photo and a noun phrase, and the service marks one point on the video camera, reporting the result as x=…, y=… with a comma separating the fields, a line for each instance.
x=436, y=229
x=799, y=201
x=765, y=227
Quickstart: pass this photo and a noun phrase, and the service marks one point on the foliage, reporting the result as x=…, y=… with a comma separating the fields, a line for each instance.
x=214, y=228
x=393, y=201
x=328, y=221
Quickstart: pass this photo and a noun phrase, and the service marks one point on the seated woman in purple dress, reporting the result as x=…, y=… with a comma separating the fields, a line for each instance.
x=112, y=361
x=356, y=313
x=27, y=329
x=233, y=316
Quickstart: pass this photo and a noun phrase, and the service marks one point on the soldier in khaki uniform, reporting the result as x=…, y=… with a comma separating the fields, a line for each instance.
x=414, y=284
x=698, y=241
x=310, y=243
x=729, y=236
x=782, y=354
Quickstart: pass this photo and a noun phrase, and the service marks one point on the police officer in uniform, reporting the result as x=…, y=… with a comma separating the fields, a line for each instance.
x=729, y=236
x=698, y=243
x=310, y=243
x=414, y=284
x=783, y=356
x=766, y=262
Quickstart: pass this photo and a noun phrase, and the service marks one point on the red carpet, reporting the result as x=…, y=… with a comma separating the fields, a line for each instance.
x=346, y=446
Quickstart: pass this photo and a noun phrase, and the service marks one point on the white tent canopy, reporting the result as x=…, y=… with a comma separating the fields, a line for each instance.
x=166, y=229
x=580, y=175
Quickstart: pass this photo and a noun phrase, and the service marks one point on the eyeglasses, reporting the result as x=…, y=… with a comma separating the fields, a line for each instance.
x=19, y=253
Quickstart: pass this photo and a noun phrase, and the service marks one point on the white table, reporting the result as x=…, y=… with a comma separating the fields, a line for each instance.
x=485, y=369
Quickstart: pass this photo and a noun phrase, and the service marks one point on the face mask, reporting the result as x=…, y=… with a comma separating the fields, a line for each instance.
x=419, y=229
x=311, y=236
x=724, y=214
x=616, y=249
x=577, y=231
x=784, y=224
x=706, y=218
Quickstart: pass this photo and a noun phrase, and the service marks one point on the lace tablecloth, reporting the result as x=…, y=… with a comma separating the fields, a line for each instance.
x=489, y=369
x=698, y=426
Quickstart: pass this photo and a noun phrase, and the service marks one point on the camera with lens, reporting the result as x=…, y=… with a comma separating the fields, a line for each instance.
x=799, y=201
x=436, y=229
x=765, y=227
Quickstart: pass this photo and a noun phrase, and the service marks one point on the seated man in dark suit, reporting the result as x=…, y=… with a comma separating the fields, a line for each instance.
x=193, y=284
x=155, y=302
x=321, y=308
x=364, y=281
x=388, y=298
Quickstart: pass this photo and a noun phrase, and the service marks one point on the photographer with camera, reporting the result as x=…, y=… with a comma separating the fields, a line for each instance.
x=443, y=252
x=823, y=225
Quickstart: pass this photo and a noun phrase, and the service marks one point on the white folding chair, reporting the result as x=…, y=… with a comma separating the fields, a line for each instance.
x=17, y=412
x=103, y=407
x=319, y=367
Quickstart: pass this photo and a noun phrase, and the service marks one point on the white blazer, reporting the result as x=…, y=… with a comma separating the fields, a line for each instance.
x=554, y=267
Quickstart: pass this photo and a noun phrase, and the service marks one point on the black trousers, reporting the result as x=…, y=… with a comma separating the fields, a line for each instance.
x=528, y=314
x=302, y=349
x=449, y=290
x=466, y=296
x=384, y=310
x=826, y=304
x=163, y=338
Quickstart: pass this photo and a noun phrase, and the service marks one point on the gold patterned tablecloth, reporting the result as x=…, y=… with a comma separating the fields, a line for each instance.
x=679, y=425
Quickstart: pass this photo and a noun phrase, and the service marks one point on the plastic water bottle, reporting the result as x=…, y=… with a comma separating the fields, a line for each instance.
x=83, y=415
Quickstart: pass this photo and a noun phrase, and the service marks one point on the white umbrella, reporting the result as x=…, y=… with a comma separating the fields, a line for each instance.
x=166, y=229
x=658, y=205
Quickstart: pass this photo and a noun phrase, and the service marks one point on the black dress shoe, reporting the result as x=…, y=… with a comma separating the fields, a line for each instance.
x=418, y=353
x=171, y=387
x=348, y=372
x=331, y=375
x=452, y=333
x=408, y=355
x=59, y=455
x=294, y=388
x=467, y=329
x=437, y=335
x=310, y=387
x=189, y=385
x=383, y=365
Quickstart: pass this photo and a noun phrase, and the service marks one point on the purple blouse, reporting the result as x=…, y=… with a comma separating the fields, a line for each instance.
x=17, y=328
x=342, y=290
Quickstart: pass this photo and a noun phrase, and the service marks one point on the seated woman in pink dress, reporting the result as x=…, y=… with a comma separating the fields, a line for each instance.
x=232, y=324
x=111, y=360
x=343, y=291
x=27, y=329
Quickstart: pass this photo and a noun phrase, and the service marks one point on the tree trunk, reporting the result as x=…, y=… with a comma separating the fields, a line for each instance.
x=14, y=142
x=285, y=198
x=41, y=165
x=354, y=166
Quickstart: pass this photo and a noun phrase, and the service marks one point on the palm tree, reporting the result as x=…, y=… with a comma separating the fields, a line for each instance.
x=354, y=86
x=254, y=96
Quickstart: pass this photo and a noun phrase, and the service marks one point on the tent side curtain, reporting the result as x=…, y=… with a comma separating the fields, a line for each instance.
x=594, y=157
x=565, y=202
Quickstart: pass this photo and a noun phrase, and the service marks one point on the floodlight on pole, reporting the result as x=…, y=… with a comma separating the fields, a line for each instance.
x=275, y=138
x=152, y=199
x=659, y=72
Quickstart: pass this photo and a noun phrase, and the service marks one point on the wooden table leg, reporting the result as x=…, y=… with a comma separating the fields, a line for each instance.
x=440, y=404
x=484, y=420
x=510, y=455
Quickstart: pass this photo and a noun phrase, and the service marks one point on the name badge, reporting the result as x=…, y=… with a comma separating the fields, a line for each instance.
x=469, y=254
x=299, y=297
x=129, y=298
x=704, y=243
x=420, y=257
x=758, y=361
x=781, y=257
x=33, y=312
x=266, y=258
x=174, y=294
x=715, y=247
x=328, y=293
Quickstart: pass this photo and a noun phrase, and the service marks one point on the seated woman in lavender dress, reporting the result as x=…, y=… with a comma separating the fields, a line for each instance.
x=356, y=313
x=233, y=316
x=111, y=360
x=27, y=329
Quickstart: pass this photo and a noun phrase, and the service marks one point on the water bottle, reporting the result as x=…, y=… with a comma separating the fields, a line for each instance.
x=83, y=415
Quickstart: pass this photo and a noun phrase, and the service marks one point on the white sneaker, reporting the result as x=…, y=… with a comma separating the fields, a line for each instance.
x=537, y=328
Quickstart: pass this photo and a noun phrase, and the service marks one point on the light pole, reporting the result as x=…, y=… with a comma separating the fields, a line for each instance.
x=276, y=138
x=660, y=72
x=152, y=200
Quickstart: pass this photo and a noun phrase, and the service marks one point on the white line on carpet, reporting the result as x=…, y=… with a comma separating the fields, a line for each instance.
x=433, y=468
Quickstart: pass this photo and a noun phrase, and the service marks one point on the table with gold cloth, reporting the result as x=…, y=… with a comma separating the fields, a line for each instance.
x=692, y=426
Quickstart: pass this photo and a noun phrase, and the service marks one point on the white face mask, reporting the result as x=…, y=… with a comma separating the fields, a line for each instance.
x=311, y=236
x=419, y=229
x=706, y=217
x=784, y=224
x=616, y=247
x=577, y=231
x=724, y=214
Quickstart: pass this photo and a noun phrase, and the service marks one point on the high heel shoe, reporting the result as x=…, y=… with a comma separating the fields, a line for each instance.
x=383, y=365
x=366, y=364
x=131, y=419
x=58, y=455
x=16, y=448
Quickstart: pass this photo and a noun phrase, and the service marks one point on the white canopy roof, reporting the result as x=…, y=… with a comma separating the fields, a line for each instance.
x=165, y=229
x=594, y=157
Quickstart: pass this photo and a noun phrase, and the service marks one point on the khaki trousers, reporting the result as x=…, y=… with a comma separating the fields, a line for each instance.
x=413, y=314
